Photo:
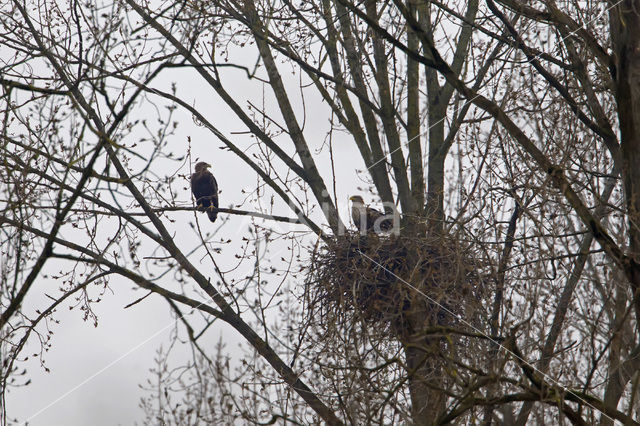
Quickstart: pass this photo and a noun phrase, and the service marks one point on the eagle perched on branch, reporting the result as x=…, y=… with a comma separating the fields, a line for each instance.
x=205, y=190
x=366, y=218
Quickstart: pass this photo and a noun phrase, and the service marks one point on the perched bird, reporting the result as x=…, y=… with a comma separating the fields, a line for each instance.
x=205, y=190
x=365, y=218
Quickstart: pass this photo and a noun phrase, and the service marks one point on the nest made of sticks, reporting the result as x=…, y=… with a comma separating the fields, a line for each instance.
x=394, y=280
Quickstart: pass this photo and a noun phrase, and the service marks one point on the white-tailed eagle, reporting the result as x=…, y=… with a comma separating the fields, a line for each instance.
x=205, y=190
x=366, y=218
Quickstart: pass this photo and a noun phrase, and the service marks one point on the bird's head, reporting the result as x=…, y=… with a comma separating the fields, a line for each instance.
x=202, y=166
x=356, y=199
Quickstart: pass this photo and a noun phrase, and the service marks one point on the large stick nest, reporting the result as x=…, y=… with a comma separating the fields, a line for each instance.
x=405, y=282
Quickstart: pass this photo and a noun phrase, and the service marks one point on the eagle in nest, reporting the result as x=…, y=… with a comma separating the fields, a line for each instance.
x=205, y=190
x=368, y=219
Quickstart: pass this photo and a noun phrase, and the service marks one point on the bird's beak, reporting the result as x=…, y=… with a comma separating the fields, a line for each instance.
x=208, y=165
x=351, y=198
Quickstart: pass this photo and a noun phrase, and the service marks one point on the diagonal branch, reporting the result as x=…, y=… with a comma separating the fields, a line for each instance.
x=303, y=173
x=315, y=181
x=606, y=132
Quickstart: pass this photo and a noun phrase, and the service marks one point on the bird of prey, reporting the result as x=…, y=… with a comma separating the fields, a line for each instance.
x=205, y=190
x=365, y=218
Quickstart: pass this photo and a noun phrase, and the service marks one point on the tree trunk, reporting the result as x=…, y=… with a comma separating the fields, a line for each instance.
x=427, y=402
x=435, y=179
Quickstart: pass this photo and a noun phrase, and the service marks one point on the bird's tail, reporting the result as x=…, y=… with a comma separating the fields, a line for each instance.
x=213, y=215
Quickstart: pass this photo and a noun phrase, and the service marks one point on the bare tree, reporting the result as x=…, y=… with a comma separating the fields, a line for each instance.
x=501, y=134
